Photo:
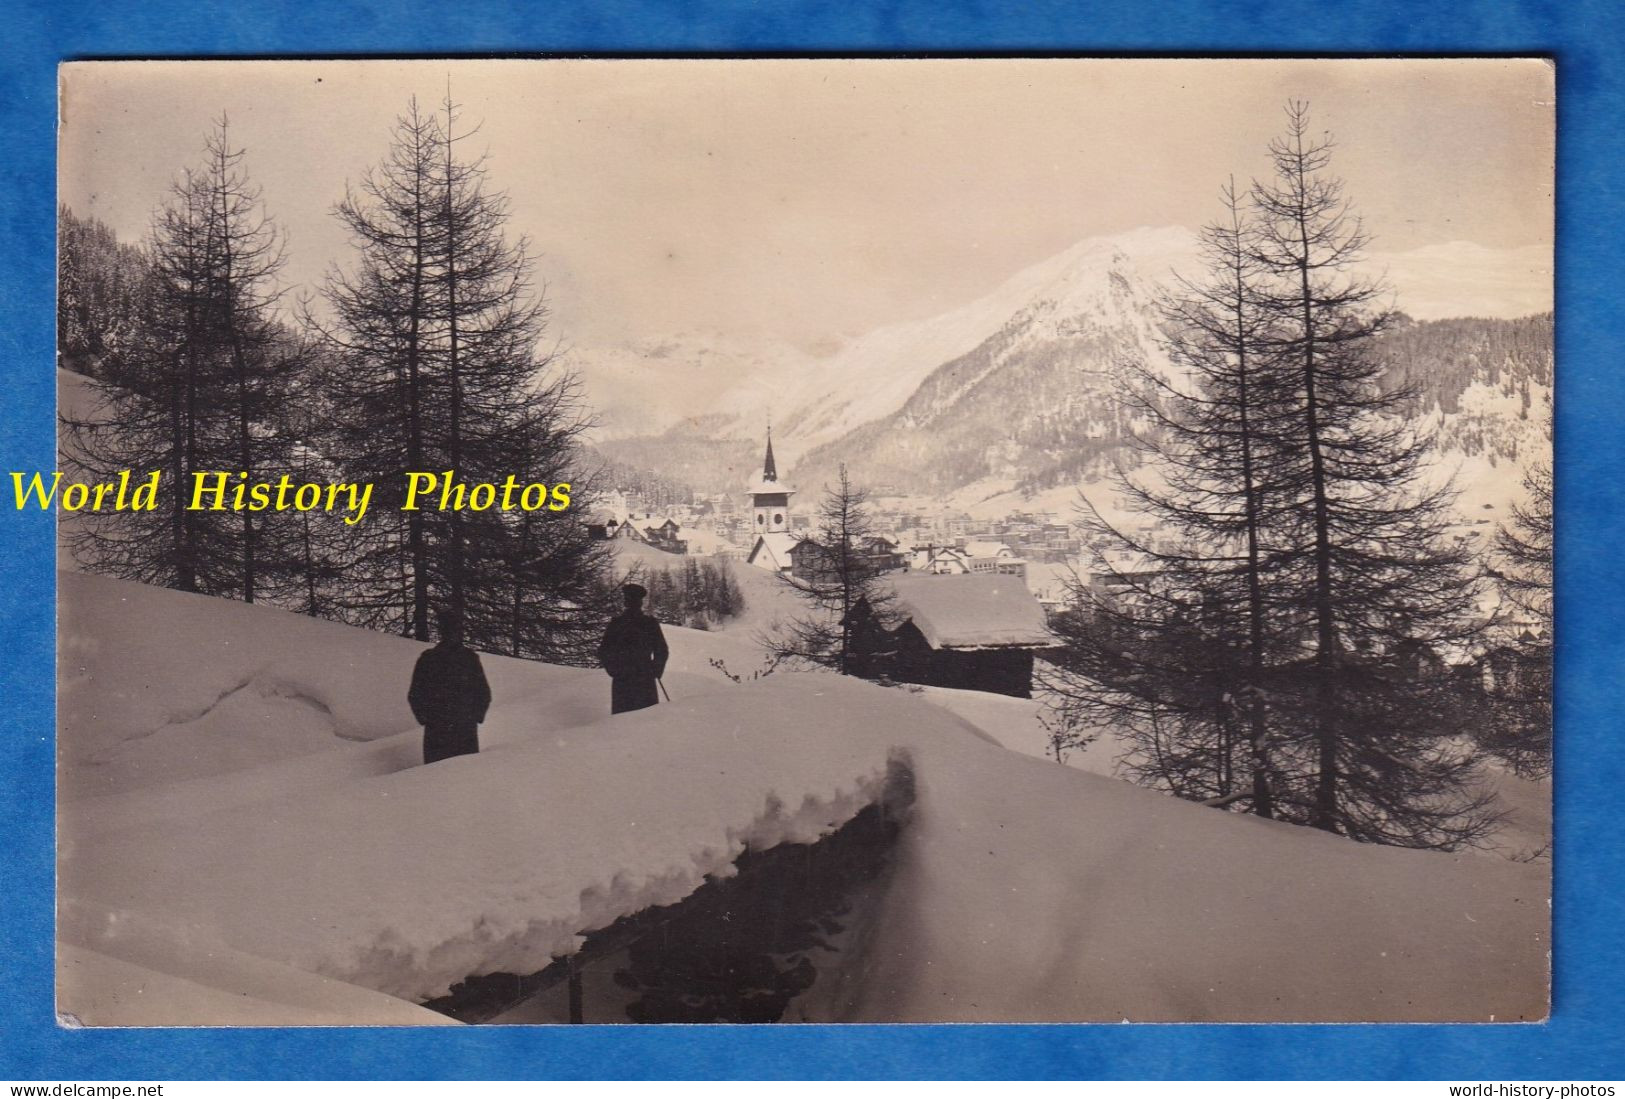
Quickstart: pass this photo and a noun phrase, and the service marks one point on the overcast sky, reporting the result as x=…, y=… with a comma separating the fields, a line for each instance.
x=805, y=199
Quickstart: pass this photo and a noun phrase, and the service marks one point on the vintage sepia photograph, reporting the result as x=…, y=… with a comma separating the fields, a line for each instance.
x=803, y=541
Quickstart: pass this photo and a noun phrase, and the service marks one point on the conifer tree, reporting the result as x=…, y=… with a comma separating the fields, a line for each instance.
x=1389, y=595
x=203, y=386
x=1524, y=549
x=438, y=369
x=844, y=576
x=103, y=296
x=539, y=585
x=316, y=549
x=379, y=377
x=1518, y=725
x=1306, y=594
x=1178, y=643
x=261, y=369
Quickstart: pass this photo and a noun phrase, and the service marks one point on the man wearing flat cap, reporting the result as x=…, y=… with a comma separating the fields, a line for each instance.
x=634, y=653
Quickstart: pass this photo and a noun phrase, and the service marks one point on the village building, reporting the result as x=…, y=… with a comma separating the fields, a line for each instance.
x=609, y=525
x=708, y=543
x=808, y=561
x=974, y=557
x=976, y=633
x=1052, y=584
x=1519, y=668
x=665, y=535
x=661, y=532
x=876, y=554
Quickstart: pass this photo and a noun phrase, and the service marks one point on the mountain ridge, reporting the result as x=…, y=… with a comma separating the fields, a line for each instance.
x=1019, y=386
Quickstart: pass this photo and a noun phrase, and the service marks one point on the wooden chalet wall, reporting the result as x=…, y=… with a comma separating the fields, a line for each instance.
x=904, y=655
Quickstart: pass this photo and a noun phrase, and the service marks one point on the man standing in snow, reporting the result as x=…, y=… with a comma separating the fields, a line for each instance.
x=449, y=695
x=634, y=653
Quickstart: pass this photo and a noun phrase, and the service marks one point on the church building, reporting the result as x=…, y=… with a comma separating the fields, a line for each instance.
x=770, y=518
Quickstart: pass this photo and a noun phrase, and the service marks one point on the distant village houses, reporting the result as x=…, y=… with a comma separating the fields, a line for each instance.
x=973, y=557
x=661, y=532
x=812, y=561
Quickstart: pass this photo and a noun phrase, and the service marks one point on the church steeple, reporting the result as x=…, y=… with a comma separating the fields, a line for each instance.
x=770, y=500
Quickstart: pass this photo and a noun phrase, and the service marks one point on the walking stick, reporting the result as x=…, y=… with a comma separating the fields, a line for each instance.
x=662, y=683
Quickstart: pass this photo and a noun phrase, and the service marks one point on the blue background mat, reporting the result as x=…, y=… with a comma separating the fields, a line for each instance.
x=1586, y=1037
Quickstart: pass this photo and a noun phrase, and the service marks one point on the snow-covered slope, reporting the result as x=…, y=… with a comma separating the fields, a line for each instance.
x=727, y=384
x=257, y=686
x=1022, y=890
x=1038, y=403
x=875, y=376
x=219, y=987
x=1086, y=898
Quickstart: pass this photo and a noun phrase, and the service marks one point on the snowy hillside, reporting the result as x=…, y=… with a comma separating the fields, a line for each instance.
x=1037, y=402
x=877, y=375
x=908, y=404
x=1484, y=390
x=245, y=836
x=732, y=382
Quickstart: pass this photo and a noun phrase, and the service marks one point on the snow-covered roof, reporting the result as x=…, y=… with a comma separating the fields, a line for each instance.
x=759, y=487
x=777, y=545
x=702, y=541
x=975, y=548
x=972, y=612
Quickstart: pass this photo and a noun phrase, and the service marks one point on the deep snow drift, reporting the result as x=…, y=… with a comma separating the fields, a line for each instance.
x=245, y=837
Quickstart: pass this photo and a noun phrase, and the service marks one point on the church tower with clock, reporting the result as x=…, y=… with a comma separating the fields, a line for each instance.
x=771, y=537
x=770, y=500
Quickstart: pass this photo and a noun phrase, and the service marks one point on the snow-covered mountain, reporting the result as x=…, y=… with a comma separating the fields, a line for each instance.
x=728, y=387
x=1035, y=402
x=1012, y=389
x=1102, y=284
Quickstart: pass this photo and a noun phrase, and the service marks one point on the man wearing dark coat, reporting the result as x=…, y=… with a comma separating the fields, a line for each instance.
x=449, y=694
x=634, y=653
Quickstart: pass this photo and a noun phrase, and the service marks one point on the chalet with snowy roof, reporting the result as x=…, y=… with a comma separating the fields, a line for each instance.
x=974, y=557
x=973, y=632
x=609, y=525
x=809, y=560
x=665, y=536
x=661, y=532
x=772, y=536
